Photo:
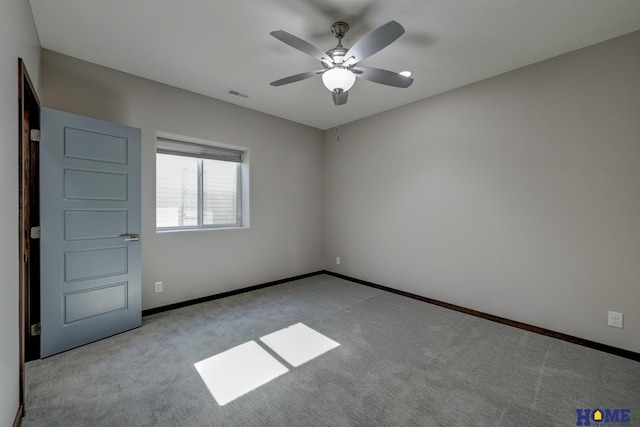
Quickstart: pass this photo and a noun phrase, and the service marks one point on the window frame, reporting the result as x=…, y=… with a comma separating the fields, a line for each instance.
x=242, y=181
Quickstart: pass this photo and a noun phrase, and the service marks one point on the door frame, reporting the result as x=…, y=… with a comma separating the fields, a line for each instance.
x=28, y=256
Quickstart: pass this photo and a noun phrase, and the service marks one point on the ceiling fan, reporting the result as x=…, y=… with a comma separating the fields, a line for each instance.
x=339, y=64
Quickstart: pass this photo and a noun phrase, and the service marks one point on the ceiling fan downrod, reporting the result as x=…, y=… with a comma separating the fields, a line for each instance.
x=339, y=29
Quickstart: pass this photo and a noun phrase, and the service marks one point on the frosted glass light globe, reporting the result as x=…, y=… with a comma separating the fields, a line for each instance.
x=338, y=78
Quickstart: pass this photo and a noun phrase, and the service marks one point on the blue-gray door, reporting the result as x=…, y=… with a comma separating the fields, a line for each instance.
x=90, y=219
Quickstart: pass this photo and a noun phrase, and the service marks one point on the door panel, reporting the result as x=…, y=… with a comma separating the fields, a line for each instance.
x=83, y=144
x=95, y=224
x=94, y=302
x=89, y=203
x=94, y=185
x=87, y=265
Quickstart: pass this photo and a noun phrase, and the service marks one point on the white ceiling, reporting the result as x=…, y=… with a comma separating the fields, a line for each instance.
x=211, y=47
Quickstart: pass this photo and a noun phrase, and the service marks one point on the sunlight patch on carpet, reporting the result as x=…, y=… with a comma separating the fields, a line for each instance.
x=237, y=371
x=298, y=344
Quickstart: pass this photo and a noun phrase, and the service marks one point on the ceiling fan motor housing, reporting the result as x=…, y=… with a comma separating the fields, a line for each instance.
x=337, y=54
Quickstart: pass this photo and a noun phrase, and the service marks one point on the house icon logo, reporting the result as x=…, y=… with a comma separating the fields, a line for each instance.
x=597, y=415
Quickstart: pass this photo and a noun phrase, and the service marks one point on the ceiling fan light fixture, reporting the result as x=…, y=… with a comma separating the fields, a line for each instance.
x=338, y=78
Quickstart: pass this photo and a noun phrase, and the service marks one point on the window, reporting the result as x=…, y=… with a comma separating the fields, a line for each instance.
x=197, y=185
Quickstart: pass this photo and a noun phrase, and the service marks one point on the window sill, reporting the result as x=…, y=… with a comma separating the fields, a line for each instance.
x=197, y=230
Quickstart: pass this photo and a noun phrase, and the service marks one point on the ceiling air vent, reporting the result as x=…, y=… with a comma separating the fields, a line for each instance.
x=236, y=93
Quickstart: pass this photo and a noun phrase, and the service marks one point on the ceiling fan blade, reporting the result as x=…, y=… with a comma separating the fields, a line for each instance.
x=301, y=45
x=340, y=98
x=375, y=41
x=384, y=77
x=297, y=77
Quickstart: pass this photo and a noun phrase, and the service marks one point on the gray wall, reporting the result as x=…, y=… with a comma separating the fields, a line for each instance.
x=18, y=38
x=285, y=237
x=516, y=196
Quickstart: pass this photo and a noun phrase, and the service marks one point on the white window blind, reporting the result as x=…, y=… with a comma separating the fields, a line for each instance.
x=197, y=186
x=189, y=149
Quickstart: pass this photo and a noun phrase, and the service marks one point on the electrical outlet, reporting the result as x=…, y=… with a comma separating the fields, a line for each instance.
x=615, y=319
x=159, y=287
x=338, y=260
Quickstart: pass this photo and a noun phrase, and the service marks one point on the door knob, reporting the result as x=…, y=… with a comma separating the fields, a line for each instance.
x=130, y=237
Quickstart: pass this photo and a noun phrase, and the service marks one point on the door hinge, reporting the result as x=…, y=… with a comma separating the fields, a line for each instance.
x=35, y=232
x=35, y=330
x=25, y=257
x=34, y=135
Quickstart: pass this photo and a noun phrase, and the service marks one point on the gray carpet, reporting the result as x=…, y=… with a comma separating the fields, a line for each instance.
x=400, y=362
